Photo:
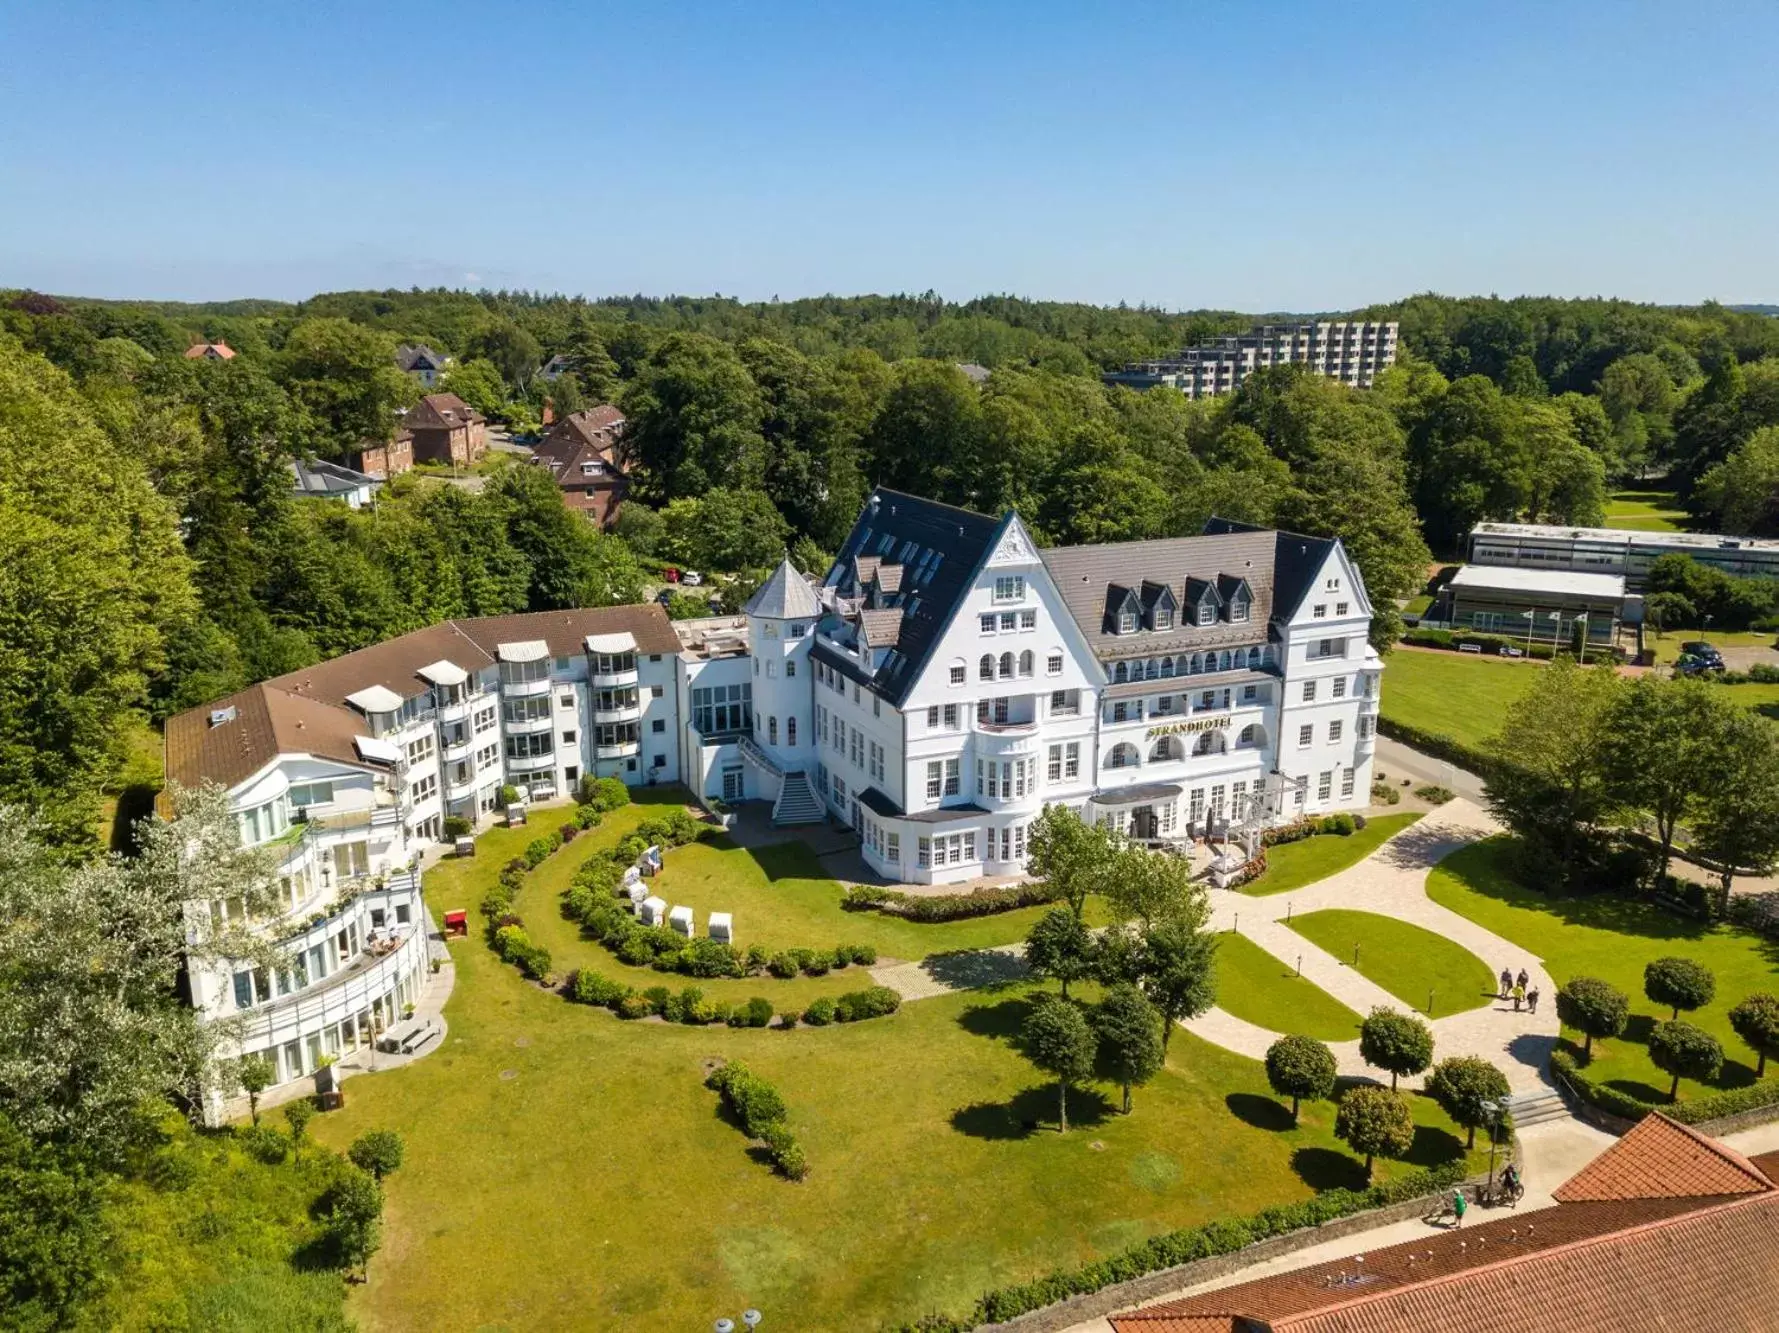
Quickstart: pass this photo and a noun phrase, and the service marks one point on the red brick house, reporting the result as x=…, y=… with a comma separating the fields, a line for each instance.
x=210, y=352
x=446, y=430
x=584, y=453
x=384, y=461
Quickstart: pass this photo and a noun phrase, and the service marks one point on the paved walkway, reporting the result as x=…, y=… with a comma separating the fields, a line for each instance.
x=1392, y=882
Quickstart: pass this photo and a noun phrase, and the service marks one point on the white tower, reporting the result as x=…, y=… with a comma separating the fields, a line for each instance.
x=781, y=620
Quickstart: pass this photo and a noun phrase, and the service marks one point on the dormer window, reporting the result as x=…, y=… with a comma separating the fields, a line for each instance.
x=1127, y=622
x=1238, y=612
x=1207, y=614
x=1164, y=617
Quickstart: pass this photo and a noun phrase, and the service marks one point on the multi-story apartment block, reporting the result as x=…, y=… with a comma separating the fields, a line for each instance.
x=947, y=680
x=1351, y=351
x=347, y=771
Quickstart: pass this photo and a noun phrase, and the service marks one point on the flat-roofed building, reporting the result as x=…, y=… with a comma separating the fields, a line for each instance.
x=1542, y=604
x=1351, y=351
x=1617, y=551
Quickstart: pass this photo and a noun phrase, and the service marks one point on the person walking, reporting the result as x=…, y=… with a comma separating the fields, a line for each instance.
x=1459, y=1205
x=1519, y=997
x=1532, y=1000
x=1523, y=978
x=1506, y=982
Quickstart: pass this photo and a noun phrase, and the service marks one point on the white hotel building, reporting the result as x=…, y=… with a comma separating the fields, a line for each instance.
x=941, y=685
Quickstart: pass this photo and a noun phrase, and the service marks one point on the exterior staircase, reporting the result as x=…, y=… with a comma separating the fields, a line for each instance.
x=796, y=803
x=1537, y=1108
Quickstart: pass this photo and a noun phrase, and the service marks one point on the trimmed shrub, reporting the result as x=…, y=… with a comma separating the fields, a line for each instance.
x=789, y=1018
x=1433, y=793
x=787, y=1154
x=657, y=996
x=949, y=906
x=263, y=1144
x=604, y=794
x=458, y=826
x=756, y=1013
x=1341, y=825
x=874, y=1002
x=782, y=965
x=865, y=955
x=1437, y=746
x=1382, y=793
x=636, y=949
x=820, y=1012
x=818, y=962
x=591, y=988
x=588, y=817
x=635, y=1006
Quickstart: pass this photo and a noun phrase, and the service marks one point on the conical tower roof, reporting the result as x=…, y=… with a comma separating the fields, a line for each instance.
x=785, y=596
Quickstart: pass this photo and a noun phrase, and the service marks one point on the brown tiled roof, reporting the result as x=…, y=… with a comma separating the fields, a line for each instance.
x=305, y=711
x=1667, y=1260
x=596, y=426
x=220, y=349
x=1663, y=1159
x=440, y=411
x=882, y=627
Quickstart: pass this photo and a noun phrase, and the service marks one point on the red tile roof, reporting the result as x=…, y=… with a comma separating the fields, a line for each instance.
x=1694, y=1253
x=218, y=351
x=440, y=411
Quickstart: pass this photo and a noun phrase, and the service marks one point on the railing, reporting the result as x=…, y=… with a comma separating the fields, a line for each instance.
x=525, y=689
x=524, y=726
x=751, y=751
x=609, y=678
x=531, y=762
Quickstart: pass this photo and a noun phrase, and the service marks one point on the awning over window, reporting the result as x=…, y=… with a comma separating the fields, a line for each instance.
x=1154, y=791
x=531, y=650
x=611, y=643
x=377, y=751
x=375, y=699
x=443, y=673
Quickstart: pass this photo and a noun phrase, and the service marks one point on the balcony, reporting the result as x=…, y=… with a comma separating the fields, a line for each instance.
x=525, y=726
x=524, y=689
x=382, y=815
x=457, y=712
x=457, y=787
x=607, y=679
x=530, y=763
x=629, y=712
x=453, y=751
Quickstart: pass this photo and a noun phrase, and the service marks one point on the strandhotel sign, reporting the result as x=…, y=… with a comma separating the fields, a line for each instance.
x=1195, y=724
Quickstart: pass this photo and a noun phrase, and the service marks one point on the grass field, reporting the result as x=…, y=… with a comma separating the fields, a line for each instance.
x=1405, y=959
x=1646, y=511
x=1294, y=864
x=566, y=1169
x=1667, y=647
x=1452, y=694
x=1612, y=939
x=1259, y=989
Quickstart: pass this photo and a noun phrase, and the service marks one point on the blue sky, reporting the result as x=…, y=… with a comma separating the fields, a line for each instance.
x=1259, y=156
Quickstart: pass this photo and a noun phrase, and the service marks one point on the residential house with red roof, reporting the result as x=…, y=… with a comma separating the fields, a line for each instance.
x=445, y=429
x=217, y=351
x=585, y=455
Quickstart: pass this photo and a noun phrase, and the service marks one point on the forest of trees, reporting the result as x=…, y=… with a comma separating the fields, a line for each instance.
x=155, y=557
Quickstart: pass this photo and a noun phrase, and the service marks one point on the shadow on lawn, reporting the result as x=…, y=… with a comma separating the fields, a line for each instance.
x=1002, y=1019
x=1261, y=1112
x=1418, y=847
x=1492, y=869
x=975, y=969
x=1030, y=1112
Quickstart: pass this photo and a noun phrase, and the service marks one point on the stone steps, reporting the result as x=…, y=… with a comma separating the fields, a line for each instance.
x=796, y=804
x=1537, y=1108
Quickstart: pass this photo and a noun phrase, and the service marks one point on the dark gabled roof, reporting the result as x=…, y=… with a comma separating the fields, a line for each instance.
x=1155, y=594
x=412, y=356
x=318, y=476
x=1232, y=586
x=1119, y=599
x=1089, y=578
x=1199, y=591
x=1297, y=560
x=928, y=597
x=440, y=411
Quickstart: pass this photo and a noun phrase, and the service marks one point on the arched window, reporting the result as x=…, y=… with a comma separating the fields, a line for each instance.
x=1165, y=749
x=1209, y=742
x=1123, y=755
x=1120, y=673
x=1167, y=666
x=1006, y=666
x=1254, y=656
x=1197, y=664
x=790, y=731
x=1248, y=735
x=986, y=667
x=1025, y=662
x=1152, y=668
x=772, y=731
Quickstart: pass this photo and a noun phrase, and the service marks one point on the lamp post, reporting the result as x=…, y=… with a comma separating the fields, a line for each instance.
x=1582, y=620
x=1494, y=1109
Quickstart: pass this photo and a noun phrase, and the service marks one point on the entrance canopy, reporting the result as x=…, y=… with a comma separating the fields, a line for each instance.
x=1143, y=795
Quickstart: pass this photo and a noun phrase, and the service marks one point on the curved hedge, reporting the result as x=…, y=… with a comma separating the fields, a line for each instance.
x=1187, y=1246
x=1690, y=1111
x=931, y=908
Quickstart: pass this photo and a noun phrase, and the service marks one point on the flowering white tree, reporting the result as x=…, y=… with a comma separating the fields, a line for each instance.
x=92, y=1027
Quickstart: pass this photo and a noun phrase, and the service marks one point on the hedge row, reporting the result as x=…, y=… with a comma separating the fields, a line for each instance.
x=1494, y=643
x=1438, y=746
x=1341, y=825
x=687, y=1006
x=1758, y=674
x=761, y=1110
x=948, y=906
x=1691, y=1111
x=1183, y=1247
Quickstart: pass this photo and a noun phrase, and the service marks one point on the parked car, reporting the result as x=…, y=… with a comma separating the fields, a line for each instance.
x=665, y=596
x=692, y=578
x=1703, y=651
x=1689, y=665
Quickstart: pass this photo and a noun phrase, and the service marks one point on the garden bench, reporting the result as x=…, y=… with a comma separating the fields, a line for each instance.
x=1508, y=650
x=1470, y=648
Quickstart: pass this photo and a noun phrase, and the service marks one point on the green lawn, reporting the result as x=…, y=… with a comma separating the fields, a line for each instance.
x=1612, y=939
x=1452, y=694
x=1294, y=864
x=1259, y=989
x=567, y=1169
x=1646, y=510
x=1405, y=959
